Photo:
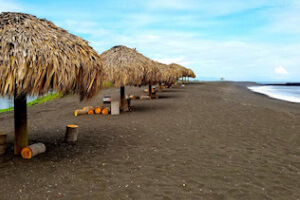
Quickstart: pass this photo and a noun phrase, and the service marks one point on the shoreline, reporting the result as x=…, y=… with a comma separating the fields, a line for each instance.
x=274, y=94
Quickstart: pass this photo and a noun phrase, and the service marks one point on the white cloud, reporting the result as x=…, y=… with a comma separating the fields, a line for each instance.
x=281, y=71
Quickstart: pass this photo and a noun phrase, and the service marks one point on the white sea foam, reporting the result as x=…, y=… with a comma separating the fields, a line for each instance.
x=285, y=93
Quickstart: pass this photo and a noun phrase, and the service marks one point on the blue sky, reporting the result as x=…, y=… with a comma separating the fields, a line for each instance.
x=254, y=40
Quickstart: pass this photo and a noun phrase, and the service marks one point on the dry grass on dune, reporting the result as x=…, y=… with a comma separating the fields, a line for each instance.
x=39, y=56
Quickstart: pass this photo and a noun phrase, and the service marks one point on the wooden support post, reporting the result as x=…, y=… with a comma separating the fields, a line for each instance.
x=20, y=115
x=122, y=97
x=150, y=90
x=182, y=80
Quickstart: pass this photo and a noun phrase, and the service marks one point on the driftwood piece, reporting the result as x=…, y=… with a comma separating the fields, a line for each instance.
x=80, y=112
x=71, y=133
x=33, y=150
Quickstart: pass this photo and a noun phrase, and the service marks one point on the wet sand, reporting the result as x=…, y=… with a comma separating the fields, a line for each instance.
x=204, y=141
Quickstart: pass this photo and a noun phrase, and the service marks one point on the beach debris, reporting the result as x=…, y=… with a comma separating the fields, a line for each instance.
x=71, y=133
x=33, y=150
x=115, y=108
x=3, y=138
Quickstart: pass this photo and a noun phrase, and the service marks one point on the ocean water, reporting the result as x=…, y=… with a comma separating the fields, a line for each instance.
x=9, y=102
x=285, y=93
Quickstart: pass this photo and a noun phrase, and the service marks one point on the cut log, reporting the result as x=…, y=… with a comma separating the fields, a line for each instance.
x=71, y=133
x=106, y=111
x=90, y=112
x=115, y=108
x=3, y=137
x=33, y=150
x=80, y=112
x=87, y=108
x=98, y=109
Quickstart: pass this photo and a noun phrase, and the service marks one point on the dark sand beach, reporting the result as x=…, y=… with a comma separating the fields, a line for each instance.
x=213, y=140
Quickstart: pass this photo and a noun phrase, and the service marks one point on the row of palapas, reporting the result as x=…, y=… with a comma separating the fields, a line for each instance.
x=36, y=57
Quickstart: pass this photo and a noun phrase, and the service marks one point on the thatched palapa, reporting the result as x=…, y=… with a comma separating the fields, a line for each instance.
x=179, y=70
x=38, y=57
x=191, y=73
x=168, y=77
x=124, y=66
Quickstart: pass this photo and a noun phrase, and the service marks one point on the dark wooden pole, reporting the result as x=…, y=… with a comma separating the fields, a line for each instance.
x=182, y=80
x=150, y=88
x=122, y=96
x=188, y=79
x=20, y=114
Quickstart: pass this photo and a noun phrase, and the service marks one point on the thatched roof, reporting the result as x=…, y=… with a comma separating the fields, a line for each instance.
x=39, y=56
x=179, y=70
x=191, y=73
x=125, y=66
x=167, y=74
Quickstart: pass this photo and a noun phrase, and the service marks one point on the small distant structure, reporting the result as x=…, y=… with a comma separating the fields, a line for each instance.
x=222, y=78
